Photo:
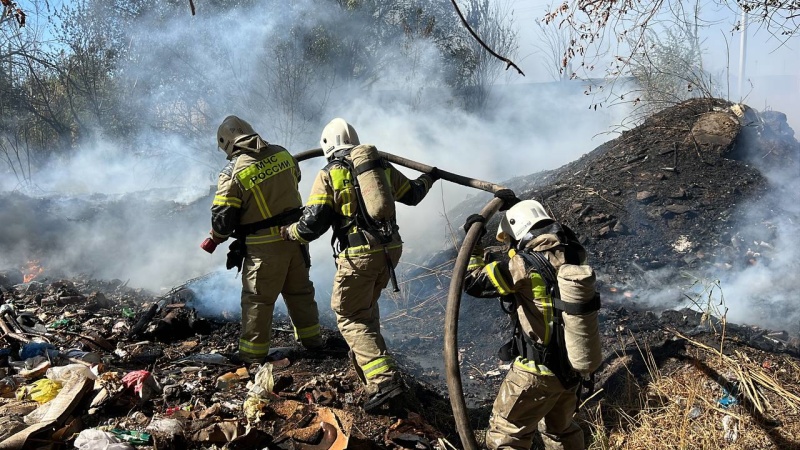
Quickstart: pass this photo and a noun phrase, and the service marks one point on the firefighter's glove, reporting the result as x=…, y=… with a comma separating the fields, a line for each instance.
x=508, y=197
x=434, y=174
x=236, y=253
x=475, y=218
x=286, y=233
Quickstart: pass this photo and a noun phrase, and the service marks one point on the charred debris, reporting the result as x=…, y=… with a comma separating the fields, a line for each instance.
x=128, y=368
x=91, y=363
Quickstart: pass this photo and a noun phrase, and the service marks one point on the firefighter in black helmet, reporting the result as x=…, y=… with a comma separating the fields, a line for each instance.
x=256, y=195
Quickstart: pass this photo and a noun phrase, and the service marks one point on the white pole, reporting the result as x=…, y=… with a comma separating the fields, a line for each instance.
x=742, y=55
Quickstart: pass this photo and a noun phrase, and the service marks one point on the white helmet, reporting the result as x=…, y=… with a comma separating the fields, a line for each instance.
x=337, y=135
x=231, y=131
x=520, y=218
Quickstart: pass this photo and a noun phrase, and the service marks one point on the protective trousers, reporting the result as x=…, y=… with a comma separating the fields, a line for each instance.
x=272, y=269
x=356, y=289
x=527, y=399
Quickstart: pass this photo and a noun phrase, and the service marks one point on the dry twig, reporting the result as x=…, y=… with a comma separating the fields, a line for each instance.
x=508, y=62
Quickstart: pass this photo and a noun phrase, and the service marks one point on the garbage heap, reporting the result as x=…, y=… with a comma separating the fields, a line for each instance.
x=98, y=365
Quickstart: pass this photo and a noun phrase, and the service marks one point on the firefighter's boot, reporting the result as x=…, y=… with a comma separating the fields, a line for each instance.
x=379, y=394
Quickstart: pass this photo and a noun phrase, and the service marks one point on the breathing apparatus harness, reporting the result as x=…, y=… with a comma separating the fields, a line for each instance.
x=554, y=354
x=380, y=230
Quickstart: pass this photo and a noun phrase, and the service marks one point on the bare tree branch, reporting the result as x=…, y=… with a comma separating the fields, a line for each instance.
x=508, y=62
x=10, y=9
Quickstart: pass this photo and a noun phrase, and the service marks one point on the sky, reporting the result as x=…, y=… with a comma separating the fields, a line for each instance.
x=770, y=65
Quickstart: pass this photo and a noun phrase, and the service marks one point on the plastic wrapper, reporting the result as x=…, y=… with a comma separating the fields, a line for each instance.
x=94, y=439
x=40, y=391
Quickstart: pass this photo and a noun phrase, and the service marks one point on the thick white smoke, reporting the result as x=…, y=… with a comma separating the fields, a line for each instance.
x=528, y=128
x=764, y=291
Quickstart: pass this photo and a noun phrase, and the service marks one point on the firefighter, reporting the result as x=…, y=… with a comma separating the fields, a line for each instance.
x=363, y=265
x=541, y=388
x=256, y=195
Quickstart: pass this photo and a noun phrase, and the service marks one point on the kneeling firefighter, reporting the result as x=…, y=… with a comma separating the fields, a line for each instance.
x=545, y=285
x=355, y=194
x=256, y=195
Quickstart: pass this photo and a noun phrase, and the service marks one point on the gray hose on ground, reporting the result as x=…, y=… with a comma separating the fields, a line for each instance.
x=452, y=369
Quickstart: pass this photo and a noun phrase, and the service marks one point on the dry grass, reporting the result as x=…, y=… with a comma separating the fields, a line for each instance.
x=682, y=409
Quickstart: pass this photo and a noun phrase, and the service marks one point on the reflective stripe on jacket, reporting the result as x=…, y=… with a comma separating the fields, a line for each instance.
x=508, y=273
x=256, y=185
x=333, y=203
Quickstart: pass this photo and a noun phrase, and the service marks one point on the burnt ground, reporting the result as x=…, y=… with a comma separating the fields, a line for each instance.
x=665, y=211
x=661, y=211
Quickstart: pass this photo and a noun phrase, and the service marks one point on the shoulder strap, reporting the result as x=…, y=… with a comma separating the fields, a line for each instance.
x=578, y=309
x=340, y=233
x=542, y=266
x=338, y=159
x=369, y=165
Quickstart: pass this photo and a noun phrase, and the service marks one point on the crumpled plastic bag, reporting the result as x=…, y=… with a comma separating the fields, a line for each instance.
x=262, y=383
x=259, y=393
x=40, y=391
x=254, y=408
x=94, y=439
x=143, y=383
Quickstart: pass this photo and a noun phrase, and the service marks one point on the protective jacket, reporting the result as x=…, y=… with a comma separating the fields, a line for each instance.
x=332, y=203
x=260, y=184
x=531, y=392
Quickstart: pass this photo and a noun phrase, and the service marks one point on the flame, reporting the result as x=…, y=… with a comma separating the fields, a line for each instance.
x=31, y=270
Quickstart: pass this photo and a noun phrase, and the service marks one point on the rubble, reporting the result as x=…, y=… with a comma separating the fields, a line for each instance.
x=79, y=365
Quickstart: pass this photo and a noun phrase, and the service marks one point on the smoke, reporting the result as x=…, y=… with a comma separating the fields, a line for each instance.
x=212, y=295
x=138, y=210
x=753, y=280
x=761, y=288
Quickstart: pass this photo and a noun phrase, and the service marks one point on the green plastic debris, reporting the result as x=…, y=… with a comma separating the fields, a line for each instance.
x=129, y=313
x=131, y=436
x=60, y=323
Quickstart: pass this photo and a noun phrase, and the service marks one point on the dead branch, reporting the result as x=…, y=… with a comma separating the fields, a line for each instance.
x=508, y=62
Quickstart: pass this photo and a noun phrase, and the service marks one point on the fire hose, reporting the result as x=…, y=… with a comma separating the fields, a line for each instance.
x=452, y=371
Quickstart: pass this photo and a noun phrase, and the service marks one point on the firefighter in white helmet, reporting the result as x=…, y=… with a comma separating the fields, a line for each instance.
x=256, y=195
x=540, y=390
x=364, y=259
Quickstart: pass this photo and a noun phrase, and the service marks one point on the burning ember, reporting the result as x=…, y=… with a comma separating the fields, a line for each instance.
x=31, y=270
